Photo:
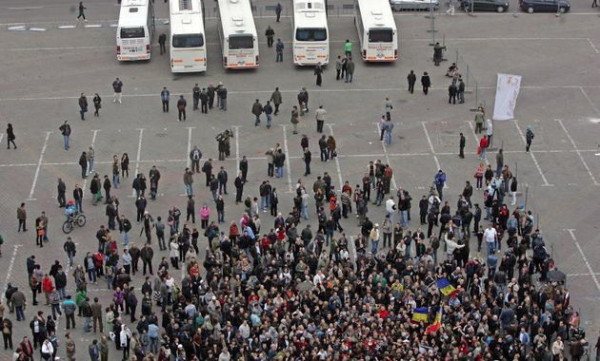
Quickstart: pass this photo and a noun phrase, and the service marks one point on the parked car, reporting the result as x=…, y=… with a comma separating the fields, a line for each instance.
x=399, y=5
x=532, y=6
x=485, y=5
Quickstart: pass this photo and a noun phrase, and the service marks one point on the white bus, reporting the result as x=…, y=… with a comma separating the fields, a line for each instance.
x=188, y=45
x=311, y=34
x=376, y=30
x=135, y=30
x=237, y=33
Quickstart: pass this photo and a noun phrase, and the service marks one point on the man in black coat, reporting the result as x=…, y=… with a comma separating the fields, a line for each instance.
x=62, y=190
x=239, y=187
x=78, y=197
x=461, y=146
x=83, y=163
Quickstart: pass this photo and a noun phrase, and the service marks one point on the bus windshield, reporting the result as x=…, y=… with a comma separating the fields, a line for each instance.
x=131, y=33
x=187, y=41
x=241, y=42
x=311, y=34
x=381, y=36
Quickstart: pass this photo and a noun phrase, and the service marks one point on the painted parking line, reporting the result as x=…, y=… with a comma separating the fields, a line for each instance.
x=585, y=165
x=89, y=26
x=66, y=26
x=537, y=165
x=94, y=134
x=337, y=163
x=39, y=165
x=138, y=156
x=37, y=29
x=387, y=158
x=583, y=257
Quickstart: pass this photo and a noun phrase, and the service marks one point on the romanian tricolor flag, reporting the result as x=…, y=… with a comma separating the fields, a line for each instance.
x=437, y=323
x=420, y=314
x=446, y=288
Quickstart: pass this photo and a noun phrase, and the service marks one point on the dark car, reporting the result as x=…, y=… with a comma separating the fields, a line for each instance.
x=532, y=6
x=485, y=5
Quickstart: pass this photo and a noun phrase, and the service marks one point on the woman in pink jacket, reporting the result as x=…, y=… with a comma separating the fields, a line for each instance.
x=204, y=215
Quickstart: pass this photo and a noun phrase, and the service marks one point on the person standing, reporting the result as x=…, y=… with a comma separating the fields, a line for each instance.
x=279, y=51
x=154, y=176
x=529, y=137
x=78, y=198
x=70, y=249
x=97, y=104
x=222, y=178
x=207, y=169
x=94, y=351
x=278, y=9
x=461, y=90
x=188, y=180
x=425, y=82
x=83, y=106
x=222, y=93
x=452, y=90
x=320, y=115
x=146, y=254
x=388, y=108
x=338, y=67
x=203, y=101
x=90, y=156
x=162, y=39
x=479, y=119
x=257, y=110
x=65, y=130
x=196, y=96
x=118, y=89
x=97, y=315
x=276, y=99
x=107, y=186
x=62, y=190
x=181, y=105
x=195, y=156
x=461, y=146
x=244, y=167
x=439, y=181
x=83, y=163
x=239, y=187
x=307, y=160
x=115, y=171
x=319, y=74
x=190, y=209
x=10, y=136
x=125, y=165
x=349, y=70
x=268, y=110
x=22, y=218
x=387, y=128
x=412, y=79
x=81, y=14
x=164, y=97
x=269, y=33
x=294, y=119
x=210, y=92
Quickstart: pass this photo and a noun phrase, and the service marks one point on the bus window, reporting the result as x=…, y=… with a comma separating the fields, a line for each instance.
x=381, y=36
x=131, y=33
x=311, y=34
x=187, y=41
x=241, y=42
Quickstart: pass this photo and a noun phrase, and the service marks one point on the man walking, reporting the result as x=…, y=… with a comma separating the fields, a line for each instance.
x=320, y=117
x=269, y=33
x=239, y=187
x=65, y=130
x=349, y=70
x=257, y=110
x=278, y=11
x=425, y=82
x=164, y=97
x=268, y=110
x=279, y=51
x=276, y=99
x=118, y=89
x=162, y=39
x=196, y=96
x=412, y=79
x=529, y=137
x=81, y=12
x=439, y=180
x=204, y=101
x=22, y=218
x=222, y=178
x=97, y=315
x=190, y=209
x=307, y=160
x=181, y=104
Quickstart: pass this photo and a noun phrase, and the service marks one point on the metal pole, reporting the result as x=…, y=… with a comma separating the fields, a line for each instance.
x=456, y=62
x=526, y=194
x=516, y=170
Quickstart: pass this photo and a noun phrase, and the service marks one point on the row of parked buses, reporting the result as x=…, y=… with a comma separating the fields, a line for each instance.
x=238, y=37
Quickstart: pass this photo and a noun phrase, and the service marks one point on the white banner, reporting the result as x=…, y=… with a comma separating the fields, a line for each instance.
x=507, y=91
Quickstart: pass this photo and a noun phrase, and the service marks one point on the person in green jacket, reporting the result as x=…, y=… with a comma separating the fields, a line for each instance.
x=479, y=118
x=348, y=49
x=80, y=298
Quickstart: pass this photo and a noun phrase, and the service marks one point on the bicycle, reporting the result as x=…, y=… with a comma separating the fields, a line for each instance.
x=75, y=220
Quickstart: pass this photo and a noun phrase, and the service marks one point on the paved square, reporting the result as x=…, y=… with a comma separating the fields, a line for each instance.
x=45, y=71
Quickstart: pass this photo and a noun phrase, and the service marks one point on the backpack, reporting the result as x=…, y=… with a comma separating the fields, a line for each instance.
x=539, y=252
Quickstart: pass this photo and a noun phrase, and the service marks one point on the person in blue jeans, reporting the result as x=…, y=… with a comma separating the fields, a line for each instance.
x=65, y=130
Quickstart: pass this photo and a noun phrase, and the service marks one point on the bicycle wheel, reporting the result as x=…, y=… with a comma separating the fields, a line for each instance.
x=81, y=220
x=67, y=227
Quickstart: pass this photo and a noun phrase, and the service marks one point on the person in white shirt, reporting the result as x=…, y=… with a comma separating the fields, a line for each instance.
x=320, y=117
x=451, y=245
x=390, y=207
x=47, y=350
x=490, y=236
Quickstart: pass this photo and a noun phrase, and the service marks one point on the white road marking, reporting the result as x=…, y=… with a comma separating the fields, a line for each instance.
x=25, y=7
x=288, y=160
x=138, y=157
x=62, y=27
x=285, y=91
x=1, y=137
x=17, y=28
x=387, y=158
x=189, y=145
x=37, y=29
x=587, y=168
x=571, y=232
x=93, y=25
x=11, y=265
x=585, y=94
x=337, y=161
x=39, y=165
x=537, y=165
x=237, y=149
x=95, y=133
x=593, y=46
x=437, y=162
